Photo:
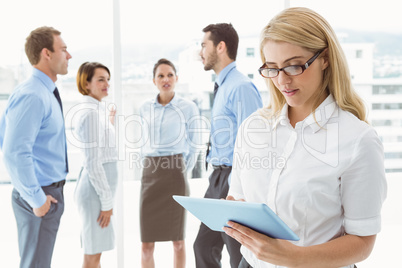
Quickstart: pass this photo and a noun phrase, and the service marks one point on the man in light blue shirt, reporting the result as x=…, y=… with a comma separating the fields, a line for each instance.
x=33, y=140
x=235, y=98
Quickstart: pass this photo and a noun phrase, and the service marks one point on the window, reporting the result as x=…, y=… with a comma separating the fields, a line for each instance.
x=250, y=52
x=387, y=106
x=387, y=89
x=391, y=139
x=391, y=170
x=387, y=123
x=393, y=155
x=359, y=54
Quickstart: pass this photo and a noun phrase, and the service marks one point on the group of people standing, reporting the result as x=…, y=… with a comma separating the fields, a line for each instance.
x=329, y=190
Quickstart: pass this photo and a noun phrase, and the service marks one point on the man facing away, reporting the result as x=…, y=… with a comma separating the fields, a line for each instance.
x=235, y=98
x=33, y=140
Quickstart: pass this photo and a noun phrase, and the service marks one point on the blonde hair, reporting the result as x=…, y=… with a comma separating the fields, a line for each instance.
x=305, y=28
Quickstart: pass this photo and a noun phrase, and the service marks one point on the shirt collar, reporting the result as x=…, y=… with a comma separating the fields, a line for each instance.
x=173, y=101
x=322, y=114
x=222, y=75
x=282, y=118
x=90, y=99
x=49, y=84
x=326, y=110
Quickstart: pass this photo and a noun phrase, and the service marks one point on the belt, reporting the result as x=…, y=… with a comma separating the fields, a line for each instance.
x=221, y=167
x=58, y=184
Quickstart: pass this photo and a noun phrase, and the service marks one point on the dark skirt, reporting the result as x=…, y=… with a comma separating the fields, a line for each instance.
x=161, y=217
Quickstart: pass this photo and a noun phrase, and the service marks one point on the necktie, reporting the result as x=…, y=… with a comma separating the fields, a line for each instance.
x=209, y=140
x=215, y=89
x=57, y=95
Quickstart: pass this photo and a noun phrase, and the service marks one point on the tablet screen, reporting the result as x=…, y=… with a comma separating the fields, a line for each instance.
x=215, y=213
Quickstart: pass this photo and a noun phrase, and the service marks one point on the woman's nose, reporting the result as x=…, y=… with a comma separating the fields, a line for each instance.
x=283, y=78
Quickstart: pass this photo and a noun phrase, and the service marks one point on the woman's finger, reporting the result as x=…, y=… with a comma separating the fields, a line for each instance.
x=238, y=236
x=244, y=235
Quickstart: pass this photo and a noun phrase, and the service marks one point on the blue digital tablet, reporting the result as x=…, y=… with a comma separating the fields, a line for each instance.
x=215, y=213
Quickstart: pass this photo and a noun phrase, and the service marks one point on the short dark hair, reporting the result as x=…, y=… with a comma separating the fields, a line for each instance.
x=85, y=74
x=226, y=33
x=38, y=39
x=163, y=61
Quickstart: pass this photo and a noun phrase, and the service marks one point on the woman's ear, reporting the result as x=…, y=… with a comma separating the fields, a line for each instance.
x=325, y=58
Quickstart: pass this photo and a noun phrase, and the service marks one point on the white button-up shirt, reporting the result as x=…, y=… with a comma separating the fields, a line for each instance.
x=95, y=136
x=323, y=178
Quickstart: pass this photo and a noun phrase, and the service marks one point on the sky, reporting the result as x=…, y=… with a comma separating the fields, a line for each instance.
x=88, y=23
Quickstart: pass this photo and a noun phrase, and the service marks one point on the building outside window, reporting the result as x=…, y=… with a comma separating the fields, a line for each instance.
x=250, y=52
x=359, y=54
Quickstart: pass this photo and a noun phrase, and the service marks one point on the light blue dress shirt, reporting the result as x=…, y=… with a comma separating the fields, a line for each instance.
x=32, y=138
x=171, y=129
x=236, y=99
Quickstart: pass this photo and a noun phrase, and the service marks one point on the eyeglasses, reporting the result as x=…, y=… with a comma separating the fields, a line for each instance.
x=288, y=70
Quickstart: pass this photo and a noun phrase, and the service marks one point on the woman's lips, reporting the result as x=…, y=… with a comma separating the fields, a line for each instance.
x=290, y=92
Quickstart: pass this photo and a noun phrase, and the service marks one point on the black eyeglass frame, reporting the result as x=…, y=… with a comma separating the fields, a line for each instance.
x=303, y=67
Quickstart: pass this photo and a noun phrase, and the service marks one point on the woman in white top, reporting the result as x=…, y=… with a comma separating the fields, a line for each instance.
x=169, y=125
x=97, y=182
x=310, y=155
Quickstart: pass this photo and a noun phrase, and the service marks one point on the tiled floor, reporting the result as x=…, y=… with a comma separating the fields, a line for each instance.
x=68, y=253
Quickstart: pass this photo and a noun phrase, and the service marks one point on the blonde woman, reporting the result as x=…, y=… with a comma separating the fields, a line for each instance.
x=97, y=182
x=325, y=175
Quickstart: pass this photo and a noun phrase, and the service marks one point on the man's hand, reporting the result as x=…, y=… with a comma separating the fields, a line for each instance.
x=44, y=209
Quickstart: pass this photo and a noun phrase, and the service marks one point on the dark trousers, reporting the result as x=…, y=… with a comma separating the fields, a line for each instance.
x=209, y=244
x=244, y=264
x=37, y=236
